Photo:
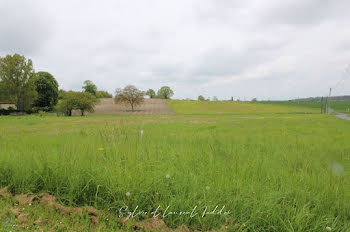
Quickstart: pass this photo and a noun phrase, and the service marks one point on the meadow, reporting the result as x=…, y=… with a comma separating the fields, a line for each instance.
x=229, y=107
x=270, y=167
x=338, y=106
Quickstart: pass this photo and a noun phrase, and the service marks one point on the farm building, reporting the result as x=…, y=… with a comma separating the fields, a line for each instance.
x=6, y=105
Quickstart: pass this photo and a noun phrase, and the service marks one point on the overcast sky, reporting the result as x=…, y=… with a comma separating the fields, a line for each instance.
x=269, y=49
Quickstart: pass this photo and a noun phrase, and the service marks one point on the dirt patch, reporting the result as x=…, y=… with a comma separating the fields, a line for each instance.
x=153, y=224
x=47, y=199
x=24, y=219
x=51, y=202
x=38, y=221
x=15, y=211
x=92, y=211
x=182, y=229
x=4, y=192
x=150, y=106
x=25, y=199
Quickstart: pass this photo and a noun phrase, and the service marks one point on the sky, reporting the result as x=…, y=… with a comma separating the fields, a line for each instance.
x=268, y=49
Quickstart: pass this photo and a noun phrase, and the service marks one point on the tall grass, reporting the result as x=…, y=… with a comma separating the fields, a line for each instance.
x=272, y=172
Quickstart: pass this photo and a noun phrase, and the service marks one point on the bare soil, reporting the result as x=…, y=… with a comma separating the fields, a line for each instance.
x=150, y=106
x=25, y=218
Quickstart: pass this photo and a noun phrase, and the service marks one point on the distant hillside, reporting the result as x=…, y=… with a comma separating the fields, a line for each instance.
x=335, y=98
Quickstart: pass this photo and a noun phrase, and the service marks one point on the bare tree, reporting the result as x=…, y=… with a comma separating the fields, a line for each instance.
x=130, y=95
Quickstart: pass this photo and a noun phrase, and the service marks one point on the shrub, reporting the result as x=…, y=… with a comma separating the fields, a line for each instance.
x=42, y=113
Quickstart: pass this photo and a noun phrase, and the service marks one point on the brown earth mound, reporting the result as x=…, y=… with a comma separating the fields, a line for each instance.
x=150, y=106
x=24, y=219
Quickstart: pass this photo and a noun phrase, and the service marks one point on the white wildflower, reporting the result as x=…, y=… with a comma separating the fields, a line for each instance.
x=167, y=176
x=328, y=228
x=207, y=188
x=127, y=194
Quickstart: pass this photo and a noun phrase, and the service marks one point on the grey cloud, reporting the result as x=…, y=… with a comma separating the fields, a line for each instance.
x=226, y=62
x=223, y=48
x=343, y=46
x=221, y=62
x=304, y=12
x=168, y=70
x=23, y=27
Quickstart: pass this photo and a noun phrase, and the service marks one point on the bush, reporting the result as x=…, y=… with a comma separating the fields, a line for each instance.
x=83, y=101
x=103, y=94
x=41, y=113
x=37, y=109
x=10, y=111
x=201, y=98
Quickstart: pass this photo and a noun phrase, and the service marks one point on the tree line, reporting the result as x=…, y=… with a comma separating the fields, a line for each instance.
x=39, y=91
x=164, y=92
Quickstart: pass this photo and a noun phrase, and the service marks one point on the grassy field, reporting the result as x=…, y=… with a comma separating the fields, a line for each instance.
x=229, y=107
x=339, y=106
x=269, y=167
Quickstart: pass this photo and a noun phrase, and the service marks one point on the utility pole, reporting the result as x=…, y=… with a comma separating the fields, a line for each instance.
x=329, y=101
x=322, y=105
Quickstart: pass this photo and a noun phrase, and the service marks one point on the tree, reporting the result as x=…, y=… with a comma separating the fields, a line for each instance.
x=130, y=95
x=254, y=100
x=17, y=80
x=67, y=103
x=82, y=101
x=103, y=94
x=61, y=94
x=165, y=92
x=63, y=107
x=2, y=91
x=215, y=98
x=90, y=87
x=201, y=98
x=86, y=102
x=151, y=93
x=47, y=88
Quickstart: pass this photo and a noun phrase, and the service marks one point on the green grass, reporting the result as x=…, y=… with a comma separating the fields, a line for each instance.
x=274, y=170
x=50, y=220
x=229, y=107
x=338, y=106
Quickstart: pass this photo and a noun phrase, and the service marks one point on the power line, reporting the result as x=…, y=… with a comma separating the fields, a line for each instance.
x=340, y=85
